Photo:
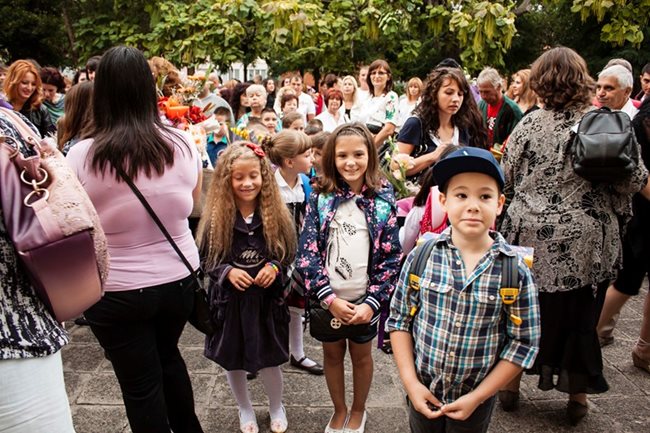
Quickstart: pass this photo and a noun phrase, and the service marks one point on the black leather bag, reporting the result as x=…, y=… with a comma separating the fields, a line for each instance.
x=200, y=316
x=323, y=326
x=374, y=128
x=605, y=148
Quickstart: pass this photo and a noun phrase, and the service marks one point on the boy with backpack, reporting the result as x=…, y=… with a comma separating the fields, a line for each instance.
x=464, y=319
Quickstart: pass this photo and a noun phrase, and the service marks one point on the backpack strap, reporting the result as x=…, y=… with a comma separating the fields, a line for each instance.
x=419, y=263
x=306, y=186
x=510, y=285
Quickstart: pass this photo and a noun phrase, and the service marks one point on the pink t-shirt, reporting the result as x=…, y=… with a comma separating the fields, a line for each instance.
x=140, y=256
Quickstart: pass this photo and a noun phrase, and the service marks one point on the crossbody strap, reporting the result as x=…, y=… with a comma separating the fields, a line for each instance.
x=159, y=223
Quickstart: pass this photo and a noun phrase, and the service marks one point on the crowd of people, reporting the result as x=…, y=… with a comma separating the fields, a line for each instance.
x=277, y=191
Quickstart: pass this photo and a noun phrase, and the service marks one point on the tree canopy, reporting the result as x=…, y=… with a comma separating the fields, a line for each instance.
x=327, y=35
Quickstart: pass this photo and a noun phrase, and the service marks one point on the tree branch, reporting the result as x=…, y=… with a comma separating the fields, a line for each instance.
x=524, y=7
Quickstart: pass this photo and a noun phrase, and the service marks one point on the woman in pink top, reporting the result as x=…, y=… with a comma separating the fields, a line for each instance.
x=148, y=294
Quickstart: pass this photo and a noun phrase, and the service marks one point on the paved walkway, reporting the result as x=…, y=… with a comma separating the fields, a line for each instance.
x=97, y=404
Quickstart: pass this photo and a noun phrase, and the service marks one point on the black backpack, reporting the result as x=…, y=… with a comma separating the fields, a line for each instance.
x=605, y=148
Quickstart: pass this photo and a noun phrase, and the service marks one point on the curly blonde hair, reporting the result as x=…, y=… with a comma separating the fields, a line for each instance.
x=215, y=230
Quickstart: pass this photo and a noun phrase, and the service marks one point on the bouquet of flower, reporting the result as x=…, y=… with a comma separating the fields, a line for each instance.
x=178, y=107
x=395, y=166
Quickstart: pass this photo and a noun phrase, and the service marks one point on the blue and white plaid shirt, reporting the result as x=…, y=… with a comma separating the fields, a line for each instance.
x=461, y=328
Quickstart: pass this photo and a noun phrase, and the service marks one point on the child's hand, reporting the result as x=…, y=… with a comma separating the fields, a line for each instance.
x=362, y=314
x=424, y=401
x=342, y=310
x=462, y=408
x=266, y=276
x=240, y=279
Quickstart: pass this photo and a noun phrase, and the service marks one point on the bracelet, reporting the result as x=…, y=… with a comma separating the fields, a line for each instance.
x=273, y=266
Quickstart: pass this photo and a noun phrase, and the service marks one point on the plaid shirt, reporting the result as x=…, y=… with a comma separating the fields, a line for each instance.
x=461, y=328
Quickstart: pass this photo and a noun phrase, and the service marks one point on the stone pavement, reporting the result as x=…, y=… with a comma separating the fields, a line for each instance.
x=97, y=404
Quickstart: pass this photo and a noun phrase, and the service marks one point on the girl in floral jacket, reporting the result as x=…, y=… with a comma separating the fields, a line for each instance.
x=349, y=257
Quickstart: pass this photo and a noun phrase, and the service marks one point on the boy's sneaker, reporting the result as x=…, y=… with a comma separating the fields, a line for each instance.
x=509, y=400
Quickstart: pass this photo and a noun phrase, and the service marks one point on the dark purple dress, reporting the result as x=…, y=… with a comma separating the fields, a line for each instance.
x=253, y=325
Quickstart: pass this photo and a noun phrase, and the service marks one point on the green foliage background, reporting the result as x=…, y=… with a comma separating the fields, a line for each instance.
x=328, y=35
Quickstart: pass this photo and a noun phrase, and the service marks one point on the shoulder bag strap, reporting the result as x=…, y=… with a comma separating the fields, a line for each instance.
x=159, y=223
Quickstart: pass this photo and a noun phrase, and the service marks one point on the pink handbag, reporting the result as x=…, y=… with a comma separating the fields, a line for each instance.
x=52, y=223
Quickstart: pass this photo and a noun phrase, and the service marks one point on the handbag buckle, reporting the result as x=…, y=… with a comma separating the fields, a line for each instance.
x=335, y=323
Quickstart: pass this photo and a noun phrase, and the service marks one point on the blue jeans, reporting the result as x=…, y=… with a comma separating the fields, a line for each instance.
x=139, y=330
x=478, y=422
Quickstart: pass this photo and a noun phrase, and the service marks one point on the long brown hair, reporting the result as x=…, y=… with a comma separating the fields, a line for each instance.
x=218, y=219
x=331, y=180
x=468, y=116
x=78, y=113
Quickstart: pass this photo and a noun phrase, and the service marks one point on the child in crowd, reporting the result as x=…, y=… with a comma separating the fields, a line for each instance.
x=456, y=342
x=247, y=267
x=270, y=120
x=317, y=143
x=293, y=120
x=349, y=258
x=314, y=126
x=290, y=151
x=219, y=139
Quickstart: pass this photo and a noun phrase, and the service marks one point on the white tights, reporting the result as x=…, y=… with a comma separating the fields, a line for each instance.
x=272, y=381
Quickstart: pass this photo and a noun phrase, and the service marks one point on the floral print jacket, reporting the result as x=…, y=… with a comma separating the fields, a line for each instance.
x=380, y=211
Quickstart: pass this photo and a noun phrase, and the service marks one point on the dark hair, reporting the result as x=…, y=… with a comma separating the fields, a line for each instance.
x=78, y=113
x=127, y=129
x=646, y=69
x=288, y=119
x=383, y=64
x=330, y=179
x=561, y=79
x=330, y=80
x=318, y=140
x=222, y=111
x=77, y=75
x=641, y=124
x=426, y=182
x=93, y=63
x=448, y=63
x=52, y=76
x=333, y=94
x=269, y=110
x=275, y=86
x=235, y=98
x=286, y=97
x=468, y=116
x=314, y=126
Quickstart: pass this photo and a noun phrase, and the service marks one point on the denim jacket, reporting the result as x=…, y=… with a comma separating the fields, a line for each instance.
x=383, y=270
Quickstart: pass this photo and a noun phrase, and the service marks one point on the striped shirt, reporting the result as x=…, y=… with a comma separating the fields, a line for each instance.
x=461, y=328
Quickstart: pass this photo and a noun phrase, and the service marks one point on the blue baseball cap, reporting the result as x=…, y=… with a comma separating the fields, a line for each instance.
x=468, y=160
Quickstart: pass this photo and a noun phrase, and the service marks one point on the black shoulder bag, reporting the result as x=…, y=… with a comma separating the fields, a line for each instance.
x=200, y=315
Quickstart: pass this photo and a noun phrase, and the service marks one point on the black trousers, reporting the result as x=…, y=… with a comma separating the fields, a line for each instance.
x=139, y=330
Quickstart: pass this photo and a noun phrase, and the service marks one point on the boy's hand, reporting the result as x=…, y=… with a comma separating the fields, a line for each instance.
x=362, y=314
x=265, y=277
x=240, y=279
x=342, y=310
x=423, y=401
x=462, y=408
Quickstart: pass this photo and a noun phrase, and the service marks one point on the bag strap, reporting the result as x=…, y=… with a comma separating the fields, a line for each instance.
x=159, y=223
x=509, y=290
x=416, y=270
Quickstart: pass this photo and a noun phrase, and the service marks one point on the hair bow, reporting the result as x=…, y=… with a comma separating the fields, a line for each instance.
x=256, y=149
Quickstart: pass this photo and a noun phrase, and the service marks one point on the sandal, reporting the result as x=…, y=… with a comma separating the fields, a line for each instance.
x=279, y=425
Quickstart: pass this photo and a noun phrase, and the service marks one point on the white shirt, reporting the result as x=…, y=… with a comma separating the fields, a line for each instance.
x=629, y=108
x=290, y=195
x=348, y=247
x=406, y=108
x=306, y=105
x=329, y=122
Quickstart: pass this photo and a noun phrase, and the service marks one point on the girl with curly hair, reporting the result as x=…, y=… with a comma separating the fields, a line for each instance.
x=247, y=240
x=446, y=115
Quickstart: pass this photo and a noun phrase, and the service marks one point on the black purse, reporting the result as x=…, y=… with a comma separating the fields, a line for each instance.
x=323, y=326
x=200, y=315
x=374, y=128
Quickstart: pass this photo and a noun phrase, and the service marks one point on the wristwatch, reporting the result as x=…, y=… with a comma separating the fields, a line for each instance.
x=325, y=303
